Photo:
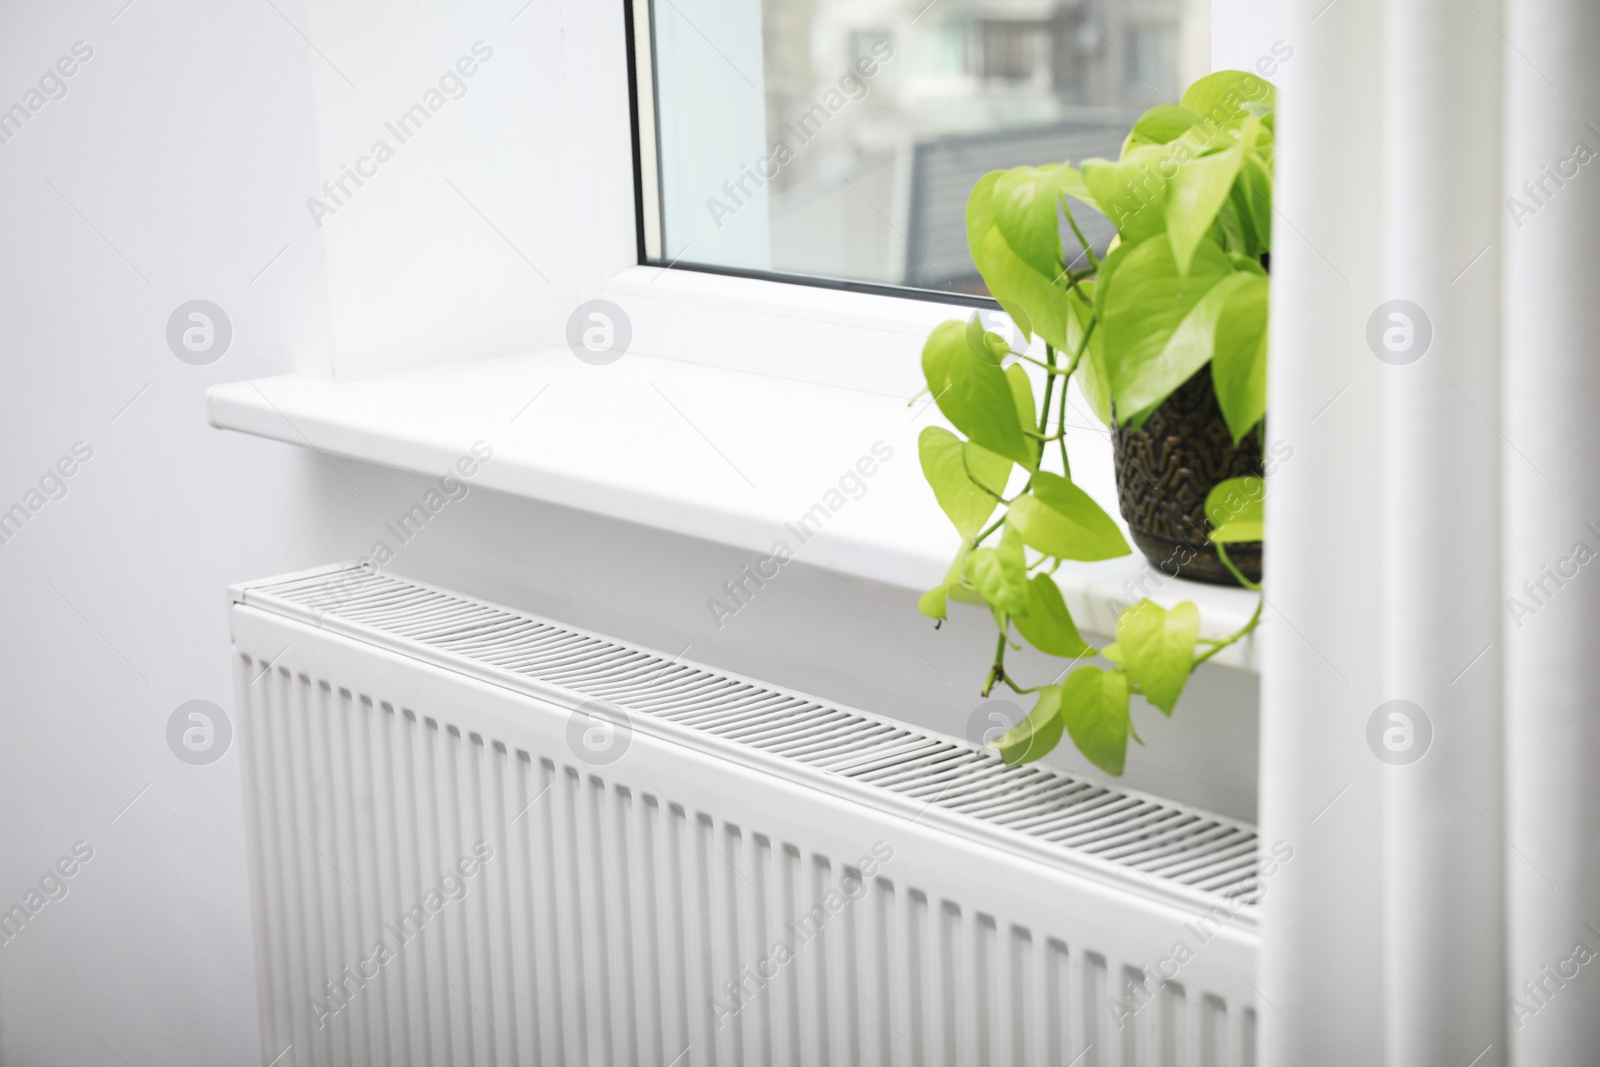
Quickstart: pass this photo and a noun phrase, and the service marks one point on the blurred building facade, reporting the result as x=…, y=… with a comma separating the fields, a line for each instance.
x=878, y=194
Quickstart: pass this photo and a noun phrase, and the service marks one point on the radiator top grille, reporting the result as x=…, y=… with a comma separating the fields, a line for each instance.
x=1160, y=839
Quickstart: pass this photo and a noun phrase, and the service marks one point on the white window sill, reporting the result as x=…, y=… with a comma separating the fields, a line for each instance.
x=723, y=455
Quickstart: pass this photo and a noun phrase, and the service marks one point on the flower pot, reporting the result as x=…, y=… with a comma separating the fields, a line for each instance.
x=1164, y=471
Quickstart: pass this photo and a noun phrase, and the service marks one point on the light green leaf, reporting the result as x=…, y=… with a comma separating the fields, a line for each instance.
x=1197, y=192
x=1091, y=373
x=1112, y=652
x=1022, y=394
x=1027, y=213
x=1048, y=625
x=1061, y=520
x=980, y=223
x=1157, y=649
x=1073, y=185
x=1255, y=178
x=1032, y=298
x=1159, y=125
x=1019, y=287
x=1036, y=734
x=966, y=478
x=1239, y=365
x=1094, y=709
x=1000, y=575
x=1239, y=227
x=1023, y=205
x=1133, y=190
x=1223, y=100
x=973, y=392
x=1248, y=264
x=934, y=603
x=1236, y=510
x=1152, y=343
x=980, y=215
x=988, y=346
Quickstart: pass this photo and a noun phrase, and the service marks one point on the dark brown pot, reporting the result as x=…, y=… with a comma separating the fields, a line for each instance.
x=1164, y=471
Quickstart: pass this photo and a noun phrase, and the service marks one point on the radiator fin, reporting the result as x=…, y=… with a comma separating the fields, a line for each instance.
x=1152, y=836
x=617, y=924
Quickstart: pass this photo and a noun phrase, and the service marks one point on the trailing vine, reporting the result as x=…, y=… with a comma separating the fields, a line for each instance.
x=1182, y=285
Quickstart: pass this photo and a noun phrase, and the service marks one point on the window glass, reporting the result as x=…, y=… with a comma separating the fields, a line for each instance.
x=838, y=139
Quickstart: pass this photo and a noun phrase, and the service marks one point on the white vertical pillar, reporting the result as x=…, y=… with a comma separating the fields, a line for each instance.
x=1320, y=983
x=1443, y=941
x=1551, y=240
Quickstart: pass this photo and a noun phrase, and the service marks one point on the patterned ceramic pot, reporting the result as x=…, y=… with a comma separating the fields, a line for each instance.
x=1164, y=471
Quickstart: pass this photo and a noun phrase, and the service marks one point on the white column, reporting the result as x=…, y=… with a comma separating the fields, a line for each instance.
x=1321, y=975
x=1552, y=465
x=1443, y=942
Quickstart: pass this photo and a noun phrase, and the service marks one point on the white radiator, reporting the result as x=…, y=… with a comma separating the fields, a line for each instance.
x=760, y=878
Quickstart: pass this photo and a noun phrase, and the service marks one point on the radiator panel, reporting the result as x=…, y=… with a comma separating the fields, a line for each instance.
x=620, y=899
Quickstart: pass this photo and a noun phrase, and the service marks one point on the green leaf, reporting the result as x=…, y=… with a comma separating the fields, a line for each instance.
x=1157, y=648
x=1104, y=277
x=1091, y=373
x=1061, y=520
x=1112, y=652
x=1036, y=734
x=980, y=223
x=1027, y=214
x=973, y=392
x=988, y=346
x=1094, y=709
x=1159, y=125
x=1160, y=326
x=1224, y=100
x=966, y=478
x=1022, y=394
x=980, y=215
x=1255, y=178
x=1073, y=185
x=1132, y=192
x=1239, y=365
x=1048, y=625
x=1000, y=575
x=1197, y=192
x=1031, y=298
x=1019, y=287
x=934, y=603
x=1023, y=206
x=1236, y=509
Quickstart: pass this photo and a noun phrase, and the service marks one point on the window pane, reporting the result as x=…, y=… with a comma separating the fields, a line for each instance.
x=838, y=139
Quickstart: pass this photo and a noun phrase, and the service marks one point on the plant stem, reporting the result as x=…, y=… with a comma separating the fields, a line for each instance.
x=1066, y=464
x=1222, y=554
x=1079, y=234
x=1042, y=365
x=1049, y=386
x=992, y=527
x=1083, y=344
x=1255, y=619
x=974, y=480
x=998, y=671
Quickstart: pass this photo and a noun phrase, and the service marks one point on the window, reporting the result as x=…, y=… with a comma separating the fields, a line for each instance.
x=835, y=141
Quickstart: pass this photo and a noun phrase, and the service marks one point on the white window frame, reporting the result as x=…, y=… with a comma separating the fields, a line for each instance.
x=837, y=337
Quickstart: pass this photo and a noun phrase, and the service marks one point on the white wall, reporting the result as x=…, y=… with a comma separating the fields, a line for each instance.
x=187, y=149
x=185, y=144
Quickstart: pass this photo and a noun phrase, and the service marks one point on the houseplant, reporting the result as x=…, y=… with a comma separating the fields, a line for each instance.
x=1181, y=291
